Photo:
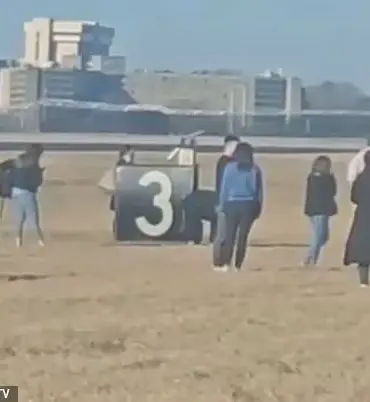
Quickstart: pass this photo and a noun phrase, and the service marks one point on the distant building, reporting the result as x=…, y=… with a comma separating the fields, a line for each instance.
x=49, y=41
x=186, y=91
x=230, y=92
x=213, y=91
x=22, y=85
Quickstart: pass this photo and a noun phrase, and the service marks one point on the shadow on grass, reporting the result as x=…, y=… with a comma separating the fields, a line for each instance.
x=278, y=245
x=13, y=277
x=22, y=277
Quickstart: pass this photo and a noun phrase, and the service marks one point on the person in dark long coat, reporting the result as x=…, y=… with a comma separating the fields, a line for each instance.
x=357, y=249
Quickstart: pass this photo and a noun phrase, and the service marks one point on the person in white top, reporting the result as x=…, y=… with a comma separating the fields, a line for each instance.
x=357, y=164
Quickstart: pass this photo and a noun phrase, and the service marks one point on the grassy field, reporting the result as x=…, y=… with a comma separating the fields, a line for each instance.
x=93, y=321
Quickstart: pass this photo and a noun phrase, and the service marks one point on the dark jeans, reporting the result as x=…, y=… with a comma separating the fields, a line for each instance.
x=219, y=240
x=239, y=217
x=363, y=273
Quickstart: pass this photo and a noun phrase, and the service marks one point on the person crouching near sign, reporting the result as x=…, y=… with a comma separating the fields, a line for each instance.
x=241, y=198
x=320, y=205
x=125, y=157
x=27, y=177
x=357, y=249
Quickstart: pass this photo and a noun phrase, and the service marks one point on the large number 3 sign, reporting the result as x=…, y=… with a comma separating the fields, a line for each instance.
x=150, y=201
x=162, y=201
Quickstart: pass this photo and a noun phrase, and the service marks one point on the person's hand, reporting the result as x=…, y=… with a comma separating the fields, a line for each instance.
x=257, y=211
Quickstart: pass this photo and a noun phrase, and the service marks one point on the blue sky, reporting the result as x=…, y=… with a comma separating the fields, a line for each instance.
x=314, y=39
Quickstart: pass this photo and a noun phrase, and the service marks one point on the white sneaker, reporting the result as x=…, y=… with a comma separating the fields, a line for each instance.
x=41, y=243
x=18, y=242
x=224, y=268
x=363, y=285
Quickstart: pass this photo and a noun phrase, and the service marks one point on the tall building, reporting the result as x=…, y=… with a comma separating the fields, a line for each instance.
x=49, y=41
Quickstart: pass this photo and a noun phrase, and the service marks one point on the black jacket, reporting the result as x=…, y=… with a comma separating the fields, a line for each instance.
x=220, y=167
x=27, y=178
x=358, y=242
x=321, y=190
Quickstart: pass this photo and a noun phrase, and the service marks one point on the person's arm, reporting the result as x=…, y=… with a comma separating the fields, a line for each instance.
x=224, y=188
x=38, y=177
x=307, y=195
x=334, y=187
x=260, y=192
x=218, y=179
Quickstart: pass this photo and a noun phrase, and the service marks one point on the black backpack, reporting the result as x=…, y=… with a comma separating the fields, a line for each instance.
x=6, y=178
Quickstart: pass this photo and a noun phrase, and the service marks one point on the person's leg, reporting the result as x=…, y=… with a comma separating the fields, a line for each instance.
x=219, y=240
x=246, y=222
x=363, y=273
x=193, y=230
x=19, y=218
x=193, y=227
x=33, y=216
x=231, y=225
x=323, y=234
x=212, y=235
x=314, y=247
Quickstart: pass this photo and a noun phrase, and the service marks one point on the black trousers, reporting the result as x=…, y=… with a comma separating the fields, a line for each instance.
x=239, y=218
x=363, y=274
x=198, y=206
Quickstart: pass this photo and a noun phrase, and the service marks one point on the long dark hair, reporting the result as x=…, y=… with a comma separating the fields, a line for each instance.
x=322, y=164
x=243, y=155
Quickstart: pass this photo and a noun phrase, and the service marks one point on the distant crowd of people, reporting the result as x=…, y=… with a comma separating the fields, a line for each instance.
x=232, y=208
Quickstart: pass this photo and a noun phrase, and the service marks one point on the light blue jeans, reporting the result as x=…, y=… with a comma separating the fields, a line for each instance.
x=26, y=212
x=320, y=236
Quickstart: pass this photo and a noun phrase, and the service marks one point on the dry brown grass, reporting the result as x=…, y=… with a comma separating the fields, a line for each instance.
x=156, y=324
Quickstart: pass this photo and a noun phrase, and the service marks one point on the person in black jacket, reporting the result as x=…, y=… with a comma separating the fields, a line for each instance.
x=26, y=179
x=357, y=249
x=230, y=144
x=201, y=204
x=125, y=157
x=320, y=205
x=6, y=170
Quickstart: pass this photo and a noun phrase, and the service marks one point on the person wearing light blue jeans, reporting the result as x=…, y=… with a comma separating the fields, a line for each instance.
x=320, y=206
x=26, y=180
x=320, y=236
